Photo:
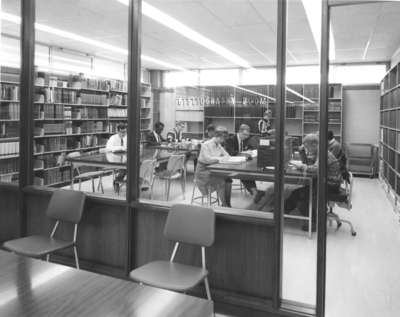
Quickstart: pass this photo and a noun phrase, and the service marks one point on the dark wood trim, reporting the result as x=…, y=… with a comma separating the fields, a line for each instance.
x=279, y=158
x=134, y=92
x=26, y=103
x=9, y=186
x=335, y=3
x=323, y=158
x=362, y=87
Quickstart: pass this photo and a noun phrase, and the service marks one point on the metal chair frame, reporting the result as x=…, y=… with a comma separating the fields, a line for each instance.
x=53, y=232
x=203, y=265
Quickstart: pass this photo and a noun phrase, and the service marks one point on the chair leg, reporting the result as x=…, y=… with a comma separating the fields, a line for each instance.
x=193, y=192
x=48, y=257
x=80, y=184
x=207, y=288
x=151, y=188
x=168, y=188
x=93, y=187
x=76, y=257
x=183, y=187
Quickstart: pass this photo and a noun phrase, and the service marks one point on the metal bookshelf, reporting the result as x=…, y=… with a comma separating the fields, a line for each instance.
x=48, y=155
x=389, y=145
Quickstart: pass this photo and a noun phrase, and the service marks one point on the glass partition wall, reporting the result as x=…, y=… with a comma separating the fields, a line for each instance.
x=207, y=139
x=209, y=104
x=362, y=232
x=9, y=91
x=80, y=102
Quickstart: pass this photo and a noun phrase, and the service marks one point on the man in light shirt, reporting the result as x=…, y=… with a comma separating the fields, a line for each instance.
x=118, y=143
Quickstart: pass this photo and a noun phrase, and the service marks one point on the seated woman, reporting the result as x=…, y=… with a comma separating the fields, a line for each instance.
x=299, y=198
x=211, y=152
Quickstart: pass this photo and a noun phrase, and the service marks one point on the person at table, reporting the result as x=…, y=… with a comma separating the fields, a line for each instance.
x=117, y=143
x=210, y=131
x=235, y=145
x=155, y=137
x=265, y=125
x=299, y=198
x=176, y=135
x=211, y=152
x=336, y=149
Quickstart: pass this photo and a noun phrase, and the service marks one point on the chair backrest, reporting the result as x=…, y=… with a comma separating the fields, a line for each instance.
x=176, y=162
x=147, y=170
x=66, y=205
x=190, y=224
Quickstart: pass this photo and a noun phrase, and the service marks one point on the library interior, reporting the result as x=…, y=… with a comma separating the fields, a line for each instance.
x=267, y=132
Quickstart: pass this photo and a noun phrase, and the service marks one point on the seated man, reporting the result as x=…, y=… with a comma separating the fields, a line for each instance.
x=176, y=135
x=211, y=152
x=299, y=198
x=118, y=143
x=210, y=132
x=155, y=137
x=234, y=145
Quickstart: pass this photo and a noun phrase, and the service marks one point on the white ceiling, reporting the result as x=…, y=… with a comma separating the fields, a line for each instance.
x=246, y=27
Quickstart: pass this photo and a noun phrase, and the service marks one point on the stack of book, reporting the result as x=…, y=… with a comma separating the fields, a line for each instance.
x=9, y=148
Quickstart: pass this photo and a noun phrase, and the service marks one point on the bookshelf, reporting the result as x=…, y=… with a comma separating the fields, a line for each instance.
x=232, y=106
x=71, y=113
x=9, y=131
x=389, y=145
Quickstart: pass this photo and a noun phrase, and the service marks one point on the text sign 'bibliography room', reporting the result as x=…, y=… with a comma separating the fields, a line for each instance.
x=199, y=158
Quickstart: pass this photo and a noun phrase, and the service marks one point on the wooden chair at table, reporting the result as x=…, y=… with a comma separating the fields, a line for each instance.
x=187, y=224
x=64, y=206
x=176, y=169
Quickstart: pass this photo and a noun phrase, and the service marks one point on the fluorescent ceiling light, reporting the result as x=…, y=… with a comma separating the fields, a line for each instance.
x=177, y=26
x=72, y=36
x=313, y=11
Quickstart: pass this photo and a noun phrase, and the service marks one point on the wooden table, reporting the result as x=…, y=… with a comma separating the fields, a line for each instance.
x=249, y=171
x=35, y=288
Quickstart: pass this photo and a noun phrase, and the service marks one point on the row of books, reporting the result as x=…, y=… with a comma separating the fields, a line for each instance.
x=68, y=128
x=293, y=111
x=9, y=129
x=390, y=137
x=391, y=99
x=9, y=148
x=8, y=166
x=52, y=177
x=9, y=92
x=117, y=112
x=94, y=99
x=9, y=111
x=50, y=144
x=89, y=113
x=118, y=85
x=98, y=84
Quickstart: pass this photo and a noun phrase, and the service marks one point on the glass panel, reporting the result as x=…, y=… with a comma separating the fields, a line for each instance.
x=301, y=144
x=362, y=232
x=81, y=96
x=212, y=79
x=10, y=64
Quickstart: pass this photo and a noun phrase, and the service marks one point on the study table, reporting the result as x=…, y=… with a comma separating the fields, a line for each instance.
x=34, y=288
x=248, y=170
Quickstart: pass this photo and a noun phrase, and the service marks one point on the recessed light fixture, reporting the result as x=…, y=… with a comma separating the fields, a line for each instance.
x=76, y=37
x=313, y=11
x=177, y=26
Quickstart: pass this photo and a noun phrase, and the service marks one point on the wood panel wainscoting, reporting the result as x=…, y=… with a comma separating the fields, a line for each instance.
x=9, y=211
x=114, y=238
